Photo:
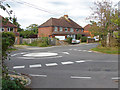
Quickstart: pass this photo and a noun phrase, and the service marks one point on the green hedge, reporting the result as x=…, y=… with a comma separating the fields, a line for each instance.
x=8, y=39
x=83, y=39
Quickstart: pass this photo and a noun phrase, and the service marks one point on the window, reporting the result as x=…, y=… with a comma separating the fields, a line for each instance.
x=2, y=29
x=71, y=29
x=61, y=29
x=82, y=30
x=77, y=30
x=66, y=29
x=55, y=29
x=8, y=29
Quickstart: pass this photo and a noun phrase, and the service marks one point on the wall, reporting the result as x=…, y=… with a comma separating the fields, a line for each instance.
x=45, y=31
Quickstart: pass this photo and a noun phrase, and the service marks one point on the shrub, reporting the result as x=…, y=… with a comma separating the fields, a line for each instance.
x=8, y=39
x=83, y=39
x=79, y=36
x=69, y=40
x=42, y=45
x=8, y=84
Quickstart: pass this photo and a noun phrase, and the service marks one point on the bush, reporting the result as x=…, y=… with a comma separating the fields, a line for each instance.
x=79, y=36
x=83, y=39
x=42, y=45
x=8, y=84
x=69, y=40
x=8, y=39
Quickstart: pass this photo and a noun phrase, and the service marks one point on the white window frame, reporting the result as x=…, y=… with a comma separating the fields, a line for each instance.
x=71, y=29
x=65, y=29
x=55, y=29
x=3, y=29
x=8, y=29
x=61, y=29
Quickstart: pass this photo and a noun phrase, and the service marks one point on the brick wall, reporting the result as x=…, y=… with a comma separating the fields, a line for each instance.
x=45, y=31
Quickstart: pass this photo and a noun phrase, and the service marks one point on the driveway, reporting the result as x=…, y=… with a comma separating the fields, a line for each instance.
x=72, y=66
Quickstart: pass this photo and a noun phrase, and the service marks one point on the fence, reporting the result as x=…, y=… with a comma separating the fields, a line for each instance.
x=51, y=41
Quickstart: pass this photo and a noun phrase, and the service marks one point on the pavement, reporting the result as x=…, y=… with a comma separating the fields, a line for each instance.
x=74, y=66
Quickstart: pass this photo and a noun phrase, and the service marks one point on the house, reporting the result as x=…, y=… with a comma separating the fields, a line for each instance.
x=60, y=28
x=89, y=34
x=7, y=26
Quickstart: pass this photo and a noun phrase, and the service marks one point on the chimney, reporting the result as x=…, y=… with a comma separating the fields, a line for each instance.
x=66, y=16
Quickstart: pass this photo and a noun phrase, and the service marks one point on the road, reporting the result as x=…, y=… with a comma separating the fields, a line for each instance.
x=72, y=66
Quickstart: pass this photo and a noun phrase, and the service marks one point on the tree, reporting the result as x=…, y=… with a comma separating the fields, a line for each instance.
x=103, y=13
x=33, y=27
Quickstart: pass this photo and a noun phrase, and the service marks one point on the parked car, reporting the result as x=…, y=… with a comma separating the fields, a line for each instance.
x=74, y=41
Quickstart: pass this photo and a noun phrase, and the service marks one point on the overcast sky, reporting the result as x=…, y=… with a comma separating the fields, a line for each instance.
x=77, y=10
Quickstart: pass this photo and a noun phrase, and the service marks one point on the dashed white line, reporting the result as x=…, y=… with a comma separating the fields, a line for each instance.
x=77, y=77
x=89, y=51
x=75, y=49
x=35, y=75
x=69, y=62
x=70, y=49
x=81, y=61
x=15, y=67
x=79, y=50
x=66, y=53
x=114, y=78
x=51, y=64
x=84, y=50
x=36, y=65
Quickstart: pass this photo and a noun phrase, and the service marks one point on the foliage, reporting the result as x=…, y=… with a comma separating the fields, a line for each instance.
x=43, y=42
x=69, y=40
x=84, y=39
x=8, y=84
x=33, y=27
x=79, y=36
x=26, y=34
x=8, y=39
x=105, y=20
x=107, y=50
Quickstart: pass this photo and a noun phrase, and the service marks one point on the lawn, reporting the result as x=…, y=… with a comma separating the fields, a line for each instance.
x=107, y=50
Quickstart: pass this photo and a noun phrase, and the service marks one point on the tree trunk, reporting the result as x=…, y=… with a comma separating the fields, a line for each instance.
x=108, y=40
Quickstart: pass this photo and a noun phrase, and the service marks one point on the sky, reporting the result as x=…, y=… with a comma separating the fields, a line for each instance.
x=38, y=11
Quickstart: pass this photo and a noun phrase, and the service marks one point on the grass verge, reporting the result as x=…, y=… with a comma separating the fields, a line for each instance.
x=107, y=50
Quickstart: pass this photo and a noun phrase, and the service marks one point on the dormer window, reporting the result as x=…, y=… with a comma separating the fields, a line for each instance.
x=61, y=29
x=66, y=29
x=77, y=30
x=55, y=29
x=71, y=29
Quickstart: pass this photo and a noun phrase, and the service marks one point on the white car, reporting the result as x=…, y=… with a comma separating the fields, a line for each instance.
x=75, y=41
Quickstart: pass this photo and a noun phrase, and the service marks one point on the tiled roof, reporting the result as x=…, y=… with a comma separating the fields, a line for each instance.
x=63, y=22
x=87, y=27
x=8, y=24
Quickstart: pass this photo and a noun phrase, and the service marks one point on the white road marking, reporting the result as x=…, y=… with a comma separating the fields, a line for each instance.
x=15, y=67
x=66, y=53
x=79, y=50
x=70, y=49
x=89, y=51
x=42, y=54
x=69, y=62
x=81, y=61
x=51, y=64
x=39, y=58
x=77, y=77
x=75, y=49
x=35, y=75
x=13, y=55
x=84, y=50
x=115, y=78
x=36, y=65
